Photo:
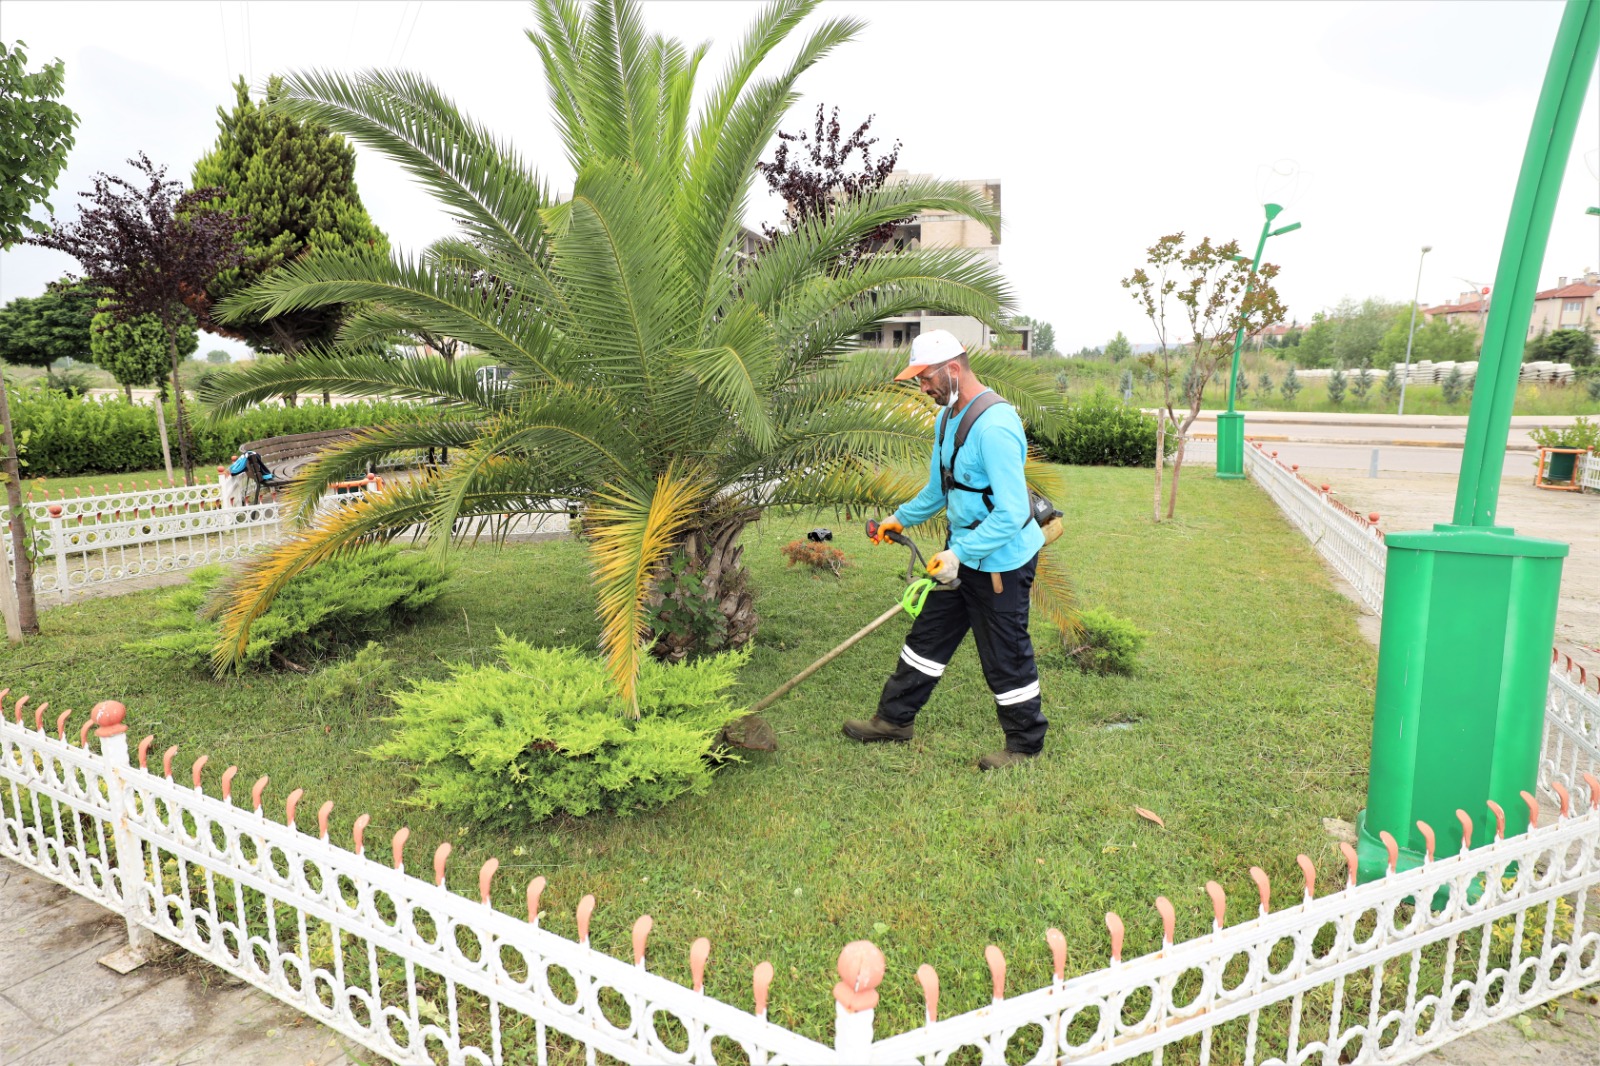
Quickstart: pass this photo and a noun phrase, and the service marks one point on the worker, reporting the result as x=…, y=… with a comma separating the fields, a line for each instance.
x=976, y=476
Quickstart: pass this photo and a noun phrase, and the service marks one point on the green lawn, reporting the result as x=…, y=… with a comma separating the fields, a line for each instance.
x=1249, y=724
x=44, y=488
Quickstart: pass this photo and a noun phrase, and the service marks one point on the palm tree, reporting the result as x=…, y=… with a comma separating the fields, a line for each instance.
x=669, y=386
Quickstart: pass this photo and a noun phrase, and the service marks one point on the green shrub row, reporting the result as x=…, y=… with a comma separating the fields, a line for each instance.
x=67, y=436
x=1101, y=430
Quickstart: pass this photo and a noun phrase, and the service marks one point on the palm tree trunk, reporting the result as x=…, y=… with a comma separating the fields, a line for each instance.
x=714, y=555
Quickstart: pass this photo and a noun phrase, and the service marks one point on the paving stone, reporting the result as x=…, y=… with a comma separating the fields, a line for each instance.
x=50, y=935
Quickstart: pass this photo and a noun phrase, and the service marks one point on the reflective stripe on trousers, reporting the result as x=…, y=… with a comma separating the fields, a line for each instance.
x=999, y=626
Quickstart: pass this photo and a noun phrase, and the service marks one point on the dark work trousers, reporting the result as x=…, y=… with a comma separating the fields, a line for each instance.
x=999, y=626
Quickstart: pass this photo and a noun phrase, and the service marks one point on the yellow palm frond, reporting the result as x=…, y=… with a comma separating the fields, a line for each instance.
x=374, y=517
x=632, y=533
x=1053, y=594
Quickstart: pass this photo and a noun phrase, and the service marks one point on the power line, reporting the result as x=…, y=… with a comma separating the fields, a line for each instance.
x=355, y=17
x=249, y=48
x=398, y=27
x=227, y=52
x=414, y=19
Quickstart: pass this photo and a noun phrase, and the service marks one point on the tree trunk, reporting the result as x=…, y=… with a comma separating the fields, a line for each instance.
x=1161, y=440
x=27, y=610
x=161, y=428
x=717, y=559
x=177, y=400
x=1177, y=465
x=127, y=392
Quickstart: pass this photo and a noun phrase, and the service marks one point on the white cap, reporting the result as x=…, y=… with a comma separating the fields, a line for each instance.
x=930, y=349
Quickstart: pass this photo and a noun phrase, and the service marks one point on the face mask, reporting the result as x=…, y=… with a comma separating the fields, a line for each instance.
x=955, y=391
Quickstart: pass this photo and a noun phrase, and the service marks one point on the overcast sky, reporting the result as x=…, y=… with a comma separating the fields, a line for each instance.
x=1108, y=124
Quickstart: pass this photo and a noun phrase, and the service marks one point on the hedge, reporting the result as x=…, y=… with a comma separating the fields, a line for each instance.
x=66, y=437
x=1101, y=430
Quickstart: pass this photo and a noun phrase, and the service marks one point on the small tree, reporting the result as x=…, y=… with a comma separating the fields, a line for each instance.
x=35, y=137
x=150, y=250
x=42, y=330
x=1243, y=385
x=1216, y=295
x=1265, y=382
x=1118, y=348
x=1391, y=386
x=218, y=356
x=292, y=185
x=1291, y=385
x=1125, y=386
x=1361, y=383
x=1453, y=386
x=135, y=352
x=1336, y=387
x=814, y=174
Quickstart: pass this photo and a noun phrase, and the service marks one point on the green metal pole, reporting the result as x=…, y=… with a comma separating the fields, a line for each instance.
x=1469, y=608
x=1230, y=424
x=1517, y=277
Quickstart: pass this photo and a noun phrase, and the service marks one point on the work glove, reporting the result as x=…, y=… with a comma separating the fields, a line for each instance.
x=887, y=526
x=944, y=567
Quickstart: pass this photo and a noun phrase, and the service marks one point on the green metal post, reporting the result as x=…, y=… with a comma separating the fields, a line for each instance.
x=1230, y=424
x=1469, y=608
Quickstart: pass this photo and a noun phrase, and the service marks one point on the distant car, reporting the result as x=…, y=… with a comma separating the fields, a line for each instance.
x=494, y=377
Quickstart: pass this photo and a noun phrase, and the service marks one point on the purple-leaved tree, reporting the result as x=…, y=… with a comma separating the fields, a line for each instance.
x=151, y=249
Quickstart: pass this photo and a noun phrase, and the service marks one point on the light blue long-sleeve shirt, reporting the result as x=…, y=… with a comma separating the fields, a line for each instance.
x=993, y=455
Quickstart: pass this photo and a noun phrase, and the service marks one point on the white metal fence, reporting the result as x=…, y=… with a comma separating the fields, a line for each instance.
x=79, y=543
x=1350, y=541
x=1588, y=474
x=420, y=974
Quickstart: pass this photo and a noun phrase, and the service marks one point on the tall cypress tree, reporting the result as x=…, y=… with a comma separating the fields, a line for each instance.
x=293, y=184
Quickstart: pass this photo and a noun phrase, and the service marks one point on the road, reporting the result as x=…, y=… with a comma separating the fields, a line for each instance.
x=1415, y=444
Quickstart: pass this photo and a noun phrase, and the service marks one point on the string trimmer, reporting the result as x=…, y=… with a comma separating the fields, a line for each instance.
x=911, y=602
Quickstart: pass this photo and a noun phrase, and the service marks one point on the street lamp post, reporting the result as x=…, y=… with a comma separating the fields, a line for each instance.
x=1469, y=608
x=1230, y=424
x=1426, y=248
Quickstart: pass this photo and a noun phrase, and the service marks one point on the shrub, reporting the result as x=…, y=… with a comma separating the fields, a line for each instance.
x=545, y=733
x=1100, y=430
x=685, y=615
x=1291, y=385
x=89, y=436
x=818, y=556
x=1581, y=434
x=1391, y=385
x=359, y=683
x=1336, y=386
x=344, y=600
x=1453, y=385
x=1106, y=644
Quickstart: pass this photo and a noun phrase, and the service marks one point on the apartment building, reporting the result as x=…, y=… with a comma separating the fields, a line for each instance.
x=1570, y=304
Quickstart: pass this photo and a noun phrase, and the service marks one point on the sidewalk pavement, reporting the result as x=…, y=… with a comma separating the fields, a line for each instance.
x=60, y=1007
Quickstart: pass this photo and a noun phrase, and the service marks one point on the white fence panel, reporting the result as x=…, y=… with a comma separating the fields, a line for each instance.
x=1589, y=472
x=1349, y=541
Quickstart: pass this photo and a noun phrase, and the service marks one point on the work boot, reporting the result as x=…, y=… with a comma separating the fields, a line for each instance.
x=875, y=729
x=1001, y=759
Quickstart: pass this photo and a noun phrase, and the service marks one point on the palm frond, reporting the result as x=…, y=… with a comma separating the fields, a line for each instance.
x=480, y=180
x=1026, y=383
x=488, y=315
x=1053, y=594
x=448, y=386
x=371, y=519
x=795, y=257
x=350, y=457
x=632, y=531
